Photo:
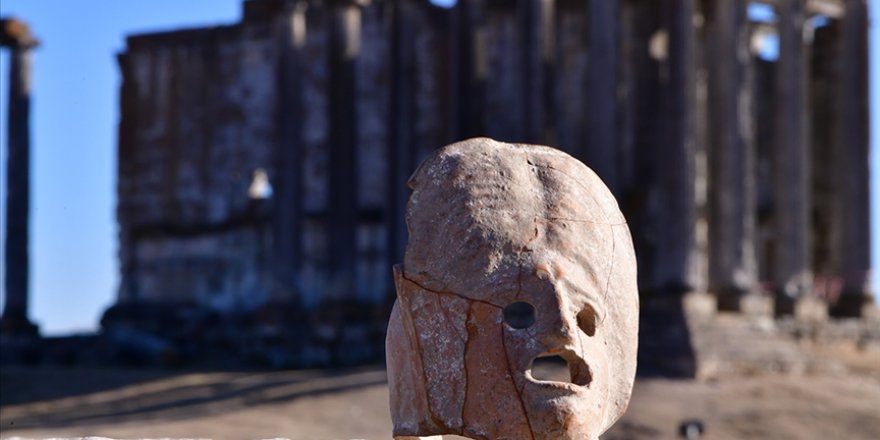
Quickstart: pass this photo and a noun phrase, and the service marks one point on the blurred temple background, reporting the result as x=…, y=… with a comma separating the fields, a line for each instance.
x=262, y=167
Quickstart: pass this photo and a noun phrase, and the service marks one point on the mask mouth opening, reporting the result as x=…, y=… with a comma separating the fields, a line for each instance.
x=565, y=367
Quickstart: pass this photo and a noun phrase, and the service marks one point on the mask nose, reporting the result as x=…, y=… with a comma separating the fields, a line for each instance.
x=558, y=322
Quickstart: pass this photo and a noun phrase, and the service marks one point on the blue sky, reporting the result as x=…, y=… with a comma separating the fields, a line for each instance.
x=74, y=116
x=76, y=82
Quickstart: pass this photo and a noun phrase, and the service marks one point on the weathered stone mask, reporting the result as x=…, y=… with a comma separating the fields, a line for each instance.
x=516, y=252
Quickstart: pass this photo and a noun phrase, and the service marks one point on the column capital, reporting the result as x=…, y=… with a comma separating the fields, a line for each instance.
x=16, y=34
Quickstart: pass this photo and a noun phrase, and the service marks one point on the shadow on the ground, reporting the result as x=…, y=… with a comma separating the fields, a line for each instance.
x=23, y=384
x=121, y=396
x=665, y=348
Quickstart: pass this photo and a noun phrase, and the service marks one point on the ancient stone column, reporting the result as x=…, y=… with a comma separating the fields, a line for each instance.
x=537, y=19
x=638, y=144
x=287, y=201
x=422, y=63
x=679, y=268
x=470, y=68
x=732, y=262
x=16, y=36
x=854, y=213
x=345, y=28
x=601, y=151
x=700, y=138
x=792, y=275
x=823, y=188
x=401, y=157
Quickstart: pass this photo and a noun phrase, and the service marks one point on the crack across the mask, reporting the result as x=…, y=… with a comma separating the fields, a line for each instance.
x=439, y=292
x=580, y=375
x=528, y=387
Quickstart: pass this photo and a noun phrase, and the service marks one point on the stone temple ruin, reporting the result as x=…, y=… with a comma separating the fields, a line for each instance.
x=262, y=165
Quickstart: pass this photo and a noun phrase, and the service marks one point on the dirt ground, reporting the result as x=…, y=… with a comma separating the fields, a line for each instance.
x=352, y=404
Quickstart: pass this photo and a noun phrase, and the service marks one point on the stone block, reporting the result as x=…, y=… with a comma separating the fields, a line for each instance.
x=756, y=304
x=700, y=306
x=811, y=309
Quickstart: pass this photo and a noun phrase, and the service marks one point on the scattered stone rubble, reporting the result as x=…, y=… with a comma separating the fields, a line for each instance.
x=733, y=344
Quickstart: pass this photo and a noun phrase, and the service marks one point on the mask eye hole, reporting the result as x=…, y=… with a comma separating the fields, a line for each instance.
x=587, y=321
x=519, y=315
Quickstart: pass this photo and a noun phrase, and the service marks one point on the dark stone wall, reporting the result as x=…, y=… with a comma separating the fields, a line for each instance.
x=198, y=120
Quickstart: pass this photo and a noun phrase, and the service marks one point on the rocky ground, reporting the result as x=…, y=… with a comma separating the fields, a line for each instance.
x=350, y=404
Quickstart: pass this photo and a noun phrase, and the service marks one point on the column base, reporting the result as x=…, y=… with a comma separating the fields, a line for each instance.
x=853, y=305
x=810, y=309
x=784, y=305
x=747, y=303
x=700, y=305
x=12, y=326
x=871, y=313
x=728, y=302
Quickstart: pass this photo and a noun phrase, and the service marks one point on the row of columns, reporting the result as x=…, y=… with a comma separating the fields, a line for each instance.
x=702, y=164
x=732, y=256
x=702, y=176
x=343, y=26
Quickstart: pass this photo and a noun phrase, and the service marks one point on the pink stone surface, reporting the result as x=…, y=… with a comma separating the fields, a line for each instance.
x=492, y=224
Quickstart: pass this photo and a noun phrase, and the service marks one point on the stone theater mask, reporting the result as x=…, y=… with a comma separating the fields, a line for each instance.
x=516, y=252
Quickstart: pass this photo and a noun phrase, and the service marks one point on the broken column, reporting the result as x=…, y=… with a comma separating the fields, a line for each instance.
x=853, y=217
x=792, y=275
x=732, y=259
x=15, y=36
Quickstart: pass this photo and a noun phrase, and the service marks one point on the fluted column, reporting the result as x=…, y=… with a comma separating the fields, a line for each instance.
x=732, y=261
x=345, y=32
x=469, y=70
x=401, y=158
x=287, y=199
x=792, y=273
x=679, y=268
x=537, y=21
x=853, y=220
x=602, y=148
